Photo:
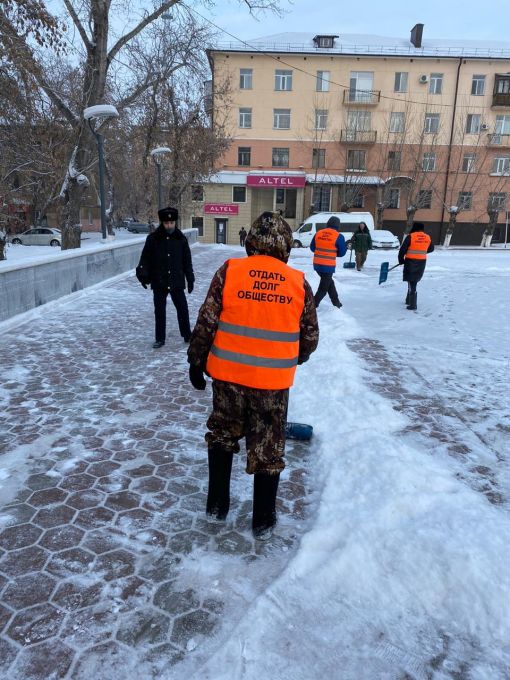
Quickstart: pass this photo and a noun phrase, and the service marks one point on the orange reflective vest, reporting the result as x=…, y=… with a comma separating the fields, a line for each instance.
x=325, y=247
x=418, y=247
x=257, y=341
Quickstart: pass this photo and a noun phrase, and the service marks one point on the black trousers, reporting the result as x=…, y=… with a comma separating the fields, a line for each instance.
x=181, y=307
x=327, y=285
x=411, y=286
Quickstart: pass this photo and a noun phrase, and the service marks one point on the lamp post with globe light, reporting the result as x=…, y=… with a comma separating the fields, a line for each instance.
x=100, y=113
x=156, y=157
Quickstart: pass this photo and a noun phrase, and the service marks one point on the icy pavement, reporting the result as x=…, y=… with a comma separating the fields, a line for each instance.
x=391, y=558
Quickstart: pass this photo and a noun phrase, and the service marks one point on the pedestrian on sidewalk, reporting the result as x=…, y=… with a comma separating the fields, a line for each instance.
x=327, y=244
x=413, y=255
x=242, y=236
x=361, y=243
x=256, y=324
x=166, y=265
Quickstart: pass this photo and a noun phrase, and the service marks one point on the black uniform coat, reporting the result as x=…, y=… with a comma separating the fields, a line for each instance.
x=413, y=269
x=165, y=262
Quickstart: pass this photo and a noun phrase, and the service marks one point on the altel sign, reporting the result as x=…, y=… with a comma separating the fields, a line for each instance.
x=221, y=209
x=270, y=181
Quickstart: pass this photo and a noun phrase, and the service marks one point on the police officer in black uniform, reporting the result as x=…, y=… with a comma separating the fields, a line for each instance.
x=166, y=265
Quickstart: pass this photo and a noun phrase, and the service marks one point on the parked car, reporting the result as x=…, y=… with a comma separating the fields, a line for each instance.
x=382, y=238
x=349, y=222
x=140, y=227
x=38, y=236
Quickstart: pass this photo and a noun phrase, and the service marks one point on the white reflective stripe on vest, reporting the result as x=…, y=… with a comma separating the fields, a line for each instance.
x=416, y=252
x=259, y=333
x=250, y=360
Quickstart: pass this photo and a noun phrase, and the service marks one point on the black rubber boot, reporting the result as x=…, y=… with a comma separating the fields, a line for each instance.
x=413, y=298
x=218, y=496
x=265, y=488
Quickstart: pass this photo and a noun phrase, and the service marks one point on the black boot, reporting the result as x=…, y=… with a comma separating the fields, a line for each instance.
x=265, y=488
x=408, y=297
x=413, y=298
x=218, y=496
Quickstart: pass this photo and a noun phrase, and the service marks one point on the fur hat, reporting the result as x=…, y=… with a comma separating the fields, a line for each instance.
x=418, y=226
x=333, y=223
x=270, y=235
x=168, y=214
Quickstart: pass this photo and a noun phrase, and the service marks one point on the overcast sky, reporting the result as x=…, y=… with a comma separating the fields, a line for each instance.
x=480, y=20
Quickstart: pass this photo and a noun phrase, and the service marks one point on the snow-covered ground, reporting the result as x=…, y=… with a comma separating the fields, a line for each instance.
x=19, y=254
x=403, y=567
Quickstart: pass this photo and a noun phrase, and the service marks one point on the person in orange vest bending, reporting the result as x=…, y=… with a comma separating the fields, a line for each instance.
x=413, y=255
x=257, y=323
x=326, y=246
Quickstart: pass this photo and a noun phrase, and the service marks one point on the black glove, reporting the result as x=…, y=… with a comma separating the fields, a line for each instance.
x=144, y=285
x=190, y=286
x=196, y=377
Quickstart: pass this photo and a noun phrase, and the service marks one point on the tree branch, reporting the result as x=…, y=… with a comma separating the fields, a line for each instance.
x=78, y=24
x=137, y=29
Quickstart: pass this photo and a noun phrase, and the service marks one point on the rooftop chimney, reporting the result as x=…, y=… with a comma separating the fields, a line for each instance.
x=416, y=35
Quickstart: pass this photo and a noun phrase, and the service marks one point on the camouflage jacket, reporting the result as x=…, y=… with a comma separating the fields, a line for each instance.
x=208, y=317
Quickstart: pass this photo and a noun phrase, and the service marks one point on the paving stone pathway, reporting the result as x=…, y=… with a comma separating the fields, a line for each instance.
x=102, y=531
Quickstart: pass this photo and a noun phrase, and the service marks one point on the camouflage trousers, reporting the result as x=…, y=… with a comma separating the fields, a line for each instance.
x=257, y=415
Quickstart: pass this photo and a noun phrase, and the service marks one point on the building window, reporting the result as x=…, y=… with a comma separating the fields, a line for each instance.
x=283, y=80
x=197, y=192
x=478, y=86
x=198, y=223
x=246, y=78
x=238, y=194
x=324, y=40
x=394, y=160
x=322, y=83
x=354, y=197
x=503, y=125
x=429, y=162
x=361, y=85
x=397, y=121
x=501, y=165
x=281, y=119
x=359, y=121
x=321, y=197
x=318, y=158
x=497, y=201
x=431, y=123
x=436, y=83
x=468, y=162
x=473, y=122
x=502, y=85
x=400, y=81
x=465, y=200
x=356, y=159
x=321, y=119
x=244, y=155
x=393, y=199
x=245, y=118
x=424, y=199
x=280, y=157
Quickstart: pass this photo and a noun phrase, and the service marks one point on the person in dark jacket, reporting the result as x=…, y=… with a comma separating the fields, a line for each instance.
x=327, y=244
x=413, y=255
x=361, y=243
x=166, y=265
x=257, y=322
x=242, y=236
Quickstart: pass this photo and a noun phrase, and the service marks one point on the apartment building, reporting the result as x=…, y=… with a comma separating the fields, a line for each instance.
x=394, y=126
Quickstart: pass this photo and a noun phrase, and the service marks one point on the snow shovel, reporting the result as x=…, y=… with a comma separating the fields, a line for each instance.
x=298, y=431
x=350, y=264
x=385, y=268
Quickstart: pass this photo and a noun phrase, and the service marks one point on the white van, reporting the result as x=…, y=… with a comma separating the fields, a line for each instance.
x=349, y=222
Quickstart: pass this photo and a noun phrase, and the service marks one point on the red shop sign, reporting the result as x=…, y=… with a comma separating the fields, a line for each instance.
x=270, y=181
x=221, y=209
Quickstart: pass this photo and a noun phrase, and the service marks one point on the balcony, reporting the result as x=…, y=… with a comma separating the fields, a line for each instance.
x=501, y=100
x=358, y=136
x=362, y=97
x=498, y=140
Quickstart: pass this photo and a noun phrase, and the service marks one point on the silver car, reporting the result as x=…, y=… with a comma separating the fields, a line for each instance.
x=141, y=227
x=39, y=236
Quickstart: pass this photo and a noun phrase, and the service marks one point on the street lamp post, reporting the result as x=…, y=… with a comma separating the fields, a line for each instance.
x=156, y=157
x=100, y=112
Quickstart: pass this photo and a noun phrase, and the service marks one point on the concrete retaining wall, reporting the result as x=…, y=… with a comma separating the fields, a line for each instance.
x=25, y=286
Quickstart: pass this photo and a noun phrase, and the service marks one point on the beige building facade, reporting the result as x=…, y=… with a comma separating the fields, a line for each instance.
x=404, y=129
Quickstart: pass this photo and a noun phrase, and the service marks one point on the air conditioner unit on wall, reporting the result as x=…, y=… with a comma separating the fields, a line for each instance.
x=484, y=126
x=423, y=78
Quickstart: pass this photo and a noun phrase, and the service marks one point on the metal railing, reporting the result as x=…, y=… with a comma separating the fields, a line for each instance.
x=497, y=139
x=501, y=99
x=358, y=136
x=366, y=97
